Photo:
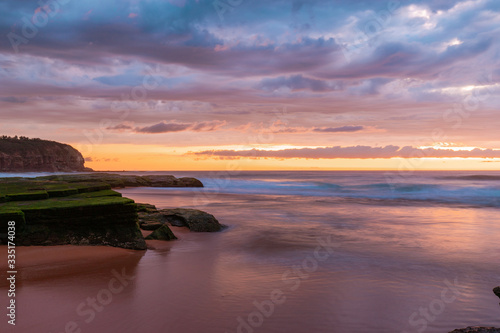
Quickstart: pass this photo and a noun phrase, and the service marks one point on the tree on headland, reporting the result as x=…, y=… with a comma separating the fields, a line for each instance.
x=20, y=138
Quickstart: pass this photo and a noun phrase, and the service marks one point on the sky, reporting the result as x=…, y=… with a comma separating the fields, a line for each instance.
x=256, y=85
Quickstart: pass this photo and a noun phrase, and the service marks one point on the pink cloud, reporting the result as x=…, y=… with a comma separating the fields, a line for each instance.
x=352, y=152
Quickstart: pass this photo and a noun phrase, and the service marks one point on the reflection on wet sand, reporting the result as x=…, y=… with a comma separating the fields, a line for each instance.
x=61, y=288
x=36, y=263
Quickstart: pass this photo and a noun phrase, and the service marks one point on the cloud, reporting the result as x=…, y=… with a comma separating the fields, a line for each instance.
x=163, y=127
x=280, y=128
x=368, y=87
x=13, y=99
x=121, y=80
x=119, y=127
x=339, y=129
x=362, y=152
x=294, y=83
x=167, y=127
x=404, y=59
x=207, y=126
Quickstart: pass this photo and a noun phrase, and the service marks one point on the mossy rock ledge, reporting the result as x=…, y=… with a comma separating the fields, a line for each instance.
x=75, y=209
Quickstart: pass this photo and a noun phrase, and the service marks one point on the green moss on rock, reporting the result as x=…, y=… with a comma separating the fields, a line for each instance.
x=49, y=212
x=34, y=195
x=81, y=209
x=162, y=233
x=8, y=215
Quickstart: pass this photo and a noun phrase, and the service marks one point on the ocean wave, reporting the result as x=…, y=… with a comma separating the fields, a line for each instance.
x=403, y=193
x=473, y=177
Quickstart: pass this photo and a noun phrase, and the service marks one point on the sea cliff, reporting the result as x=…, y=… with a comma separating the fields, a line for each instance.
x=24, y=155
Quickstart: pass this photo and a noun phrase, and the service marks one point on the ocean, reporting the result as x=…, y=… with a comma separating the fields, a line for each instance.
x=322, y=251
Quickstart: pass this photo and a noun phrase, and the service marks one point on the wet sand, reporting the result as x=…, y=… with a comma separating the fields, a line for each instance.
x=51, y=262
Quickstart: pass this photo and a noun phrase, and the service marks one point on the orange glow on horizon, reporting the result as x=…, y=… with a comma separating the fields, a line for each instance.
x=158, y=158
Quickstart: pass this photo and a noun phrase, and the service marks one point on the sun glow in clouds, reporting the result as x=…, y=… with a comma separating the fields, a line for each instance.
x=465, y=90
x=417, y=11
x=455, y=41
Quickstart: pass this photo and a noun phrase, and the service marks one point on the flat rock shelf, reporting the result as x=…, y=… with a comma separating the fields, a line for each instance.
x=80, y=209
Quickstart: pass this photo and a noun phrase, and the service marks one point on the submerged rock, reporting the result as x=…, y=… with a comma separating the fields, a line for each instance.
x=194, y=219
x=477, y=329
x=496, y=290
x=162, y=233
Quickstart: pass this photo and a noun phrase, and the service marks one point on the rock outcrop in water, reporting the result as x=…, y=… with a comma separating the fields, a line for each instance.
x=195, y=220
x=24, y=155
x=496, y=291
x=162, y=233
